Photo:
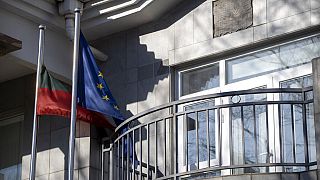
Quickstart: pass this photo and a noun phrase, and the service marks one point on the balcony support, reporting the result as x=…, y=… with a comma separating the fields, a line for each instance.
x=316, y=96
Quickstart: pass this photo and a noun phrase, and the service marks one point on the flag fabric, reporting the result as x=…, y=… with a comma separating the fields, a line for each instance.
x=93, y=91
x=54, y=98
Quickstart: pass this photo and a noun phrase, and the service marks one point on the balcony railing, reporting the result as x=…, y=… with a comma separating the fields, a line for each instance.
x=250, y=131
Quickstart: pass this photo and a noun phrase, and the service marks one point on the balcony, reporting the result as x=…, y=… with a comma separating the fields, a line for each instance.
x=231, y=133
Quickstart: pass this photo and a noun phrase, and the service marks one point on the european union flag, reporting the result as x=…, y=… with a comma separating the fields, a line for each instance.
x=93, y=91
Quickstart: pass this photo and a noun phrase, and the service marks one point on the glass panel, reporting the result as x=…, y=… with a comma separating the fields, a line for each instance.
x=298, y=130
x=212, y=134
x=192, y=148
x=262, y=135
x=311, y=133
x=286, y=134
x=237, y=136
x=202, y=134
x=264, y=62
x=200, y=79
x=249, y=137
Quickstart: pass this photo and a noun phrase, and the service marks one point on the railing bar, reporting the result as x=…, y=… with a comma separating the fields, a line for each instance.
x=217, y=95
x=140, y=151
x=128, y=155
x=267, y=126
x=241, y=104
x=293, y=134
x=175, y=139
x=122, y=158
x=231, y=136
x=102, y=161
x=148, y=153
x=243, y=140
x=118, y=160
x=133, y=155
x=165, y=146
x=208, y=137
x=111, y=155
x=156, y=149
x=304, y=117
x=219, y=136
x=185, y=141
x=216, y=107
x=217, y=168
x=255, y=132
x=197, y=139
x=280, y=134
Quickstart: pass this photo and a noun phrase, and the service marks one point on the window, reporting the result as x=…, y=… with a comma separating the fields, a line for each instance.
x=264, y=62
x=200, y=79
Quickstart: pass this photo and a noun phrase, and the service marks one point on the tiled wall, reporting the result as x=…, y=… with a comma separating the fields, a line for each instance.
x=139, y=59
x=53, y=137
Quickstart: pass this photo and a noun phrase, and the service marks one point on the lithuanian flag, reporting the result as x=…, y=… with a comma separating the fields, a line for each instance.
x=54, y=98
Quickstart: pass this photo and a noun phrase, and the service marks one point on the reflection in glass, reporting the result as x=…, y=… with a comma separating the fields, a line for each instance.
x=199, y=120
x=275, y=59
x=311, y=133
x=200, y=79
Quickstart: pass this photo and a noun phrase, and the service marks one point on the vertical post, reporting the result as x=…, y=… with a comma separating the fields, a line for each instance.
x=111, y=162
x=35, y=118
x=74, y=93
x=316, y=96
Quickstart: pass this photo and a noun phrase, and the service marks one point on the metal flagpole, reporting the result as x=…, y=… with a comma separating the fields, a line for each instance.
x=77, y=12
x=35, y=117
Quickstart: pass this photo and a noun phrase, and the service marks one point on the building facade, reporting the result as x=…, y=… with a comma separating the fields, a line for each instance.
x=211, y=89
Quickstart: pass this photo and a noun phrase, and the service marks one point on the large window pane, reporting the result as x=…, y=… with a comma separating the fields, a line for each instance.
x=264, y=62
x=200, y=79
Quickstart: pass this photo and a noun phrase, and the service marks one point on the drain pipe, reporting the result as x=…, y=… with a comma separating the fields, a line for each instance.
x=66, y=9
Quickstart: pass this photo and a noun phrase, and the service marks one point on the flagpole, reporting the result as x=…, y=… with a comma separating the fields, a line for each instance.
x=77, y=12
x=35, y=117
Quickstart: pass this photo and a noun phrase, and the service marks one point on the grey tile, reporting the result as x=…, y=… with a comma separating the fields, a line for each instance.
x=277, y=9
x=289, y=24
x=25, y=166
x=260, y=32
x=61, y=175
x=43, y=177
x=43, y=149
x=203, y=22
x=315, y=4
x=171, y=37
x=311, y=175
x=298, y=6
x=95, y=155
x=146, y=98
x=84, y=129
x=84, y=174
x=259, y=12
x=131, y=75
x=184, y=31
x=44, y=125
x=266, y=176
x=238, y=177
x=289, y=176
x=315, y=16
x=58, y=122
x=131, y=99
x=194, y=51
x=171, y=57
x=132, y=48
x=160, y=69
x=59, y=149
x=84, y=152
x=162, y=90
x=145, y=72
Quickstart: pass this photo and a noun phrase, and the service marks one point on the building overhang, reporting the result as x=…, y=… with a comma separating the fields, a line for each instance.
x=8, y=44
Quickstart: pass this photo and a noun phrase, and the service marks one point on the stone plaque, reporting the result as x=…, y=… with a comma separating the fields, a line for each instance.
x=231, y=15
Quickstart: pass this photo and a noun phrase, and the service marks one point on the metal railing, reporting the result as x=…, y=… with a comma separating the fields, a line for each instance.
x=250, y=131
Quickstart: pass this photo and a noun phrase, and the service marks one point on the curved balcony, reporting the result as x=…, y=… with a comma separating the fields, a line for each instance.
x=231, y=133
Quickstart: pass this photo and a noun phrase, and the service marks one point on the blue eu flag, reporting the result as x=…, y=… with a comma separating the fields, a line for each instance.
x=93, y=91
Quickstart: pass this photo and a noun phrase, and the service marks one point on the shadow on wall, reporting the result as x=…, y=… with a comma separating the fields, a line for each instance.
x=137, y=70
